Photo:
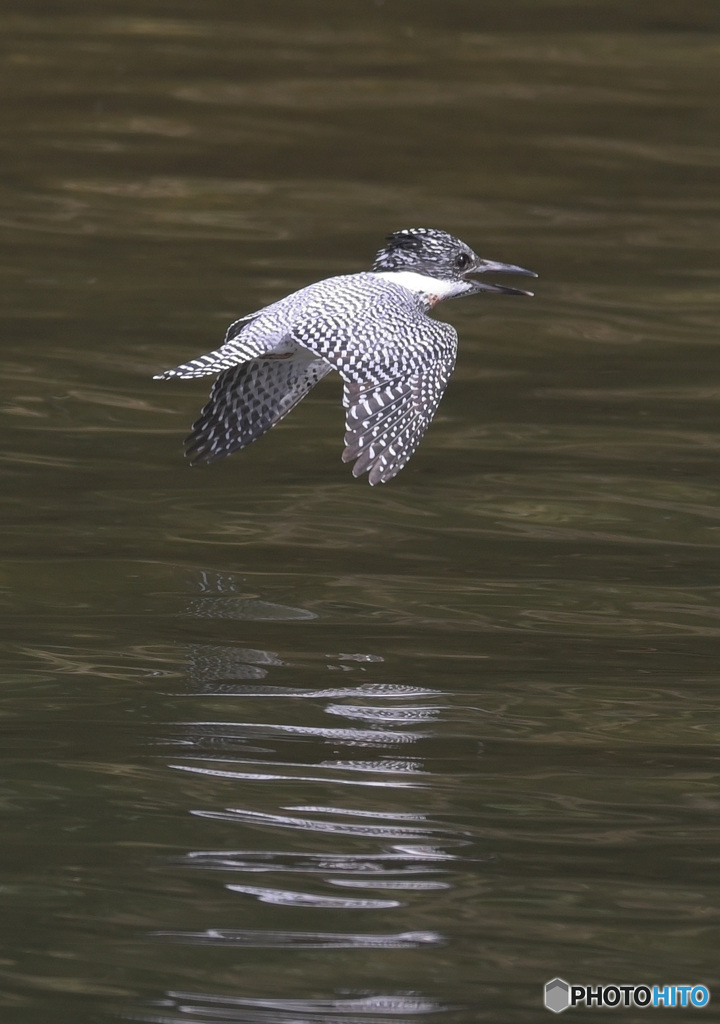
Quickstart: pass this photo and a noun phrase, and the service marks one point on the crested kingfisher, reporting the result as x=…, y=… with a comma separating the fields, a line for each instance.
x=372, y=327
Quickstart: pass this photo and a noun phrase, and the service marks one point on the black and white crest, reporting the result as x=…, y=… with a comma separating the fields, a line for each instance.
x=425, y=251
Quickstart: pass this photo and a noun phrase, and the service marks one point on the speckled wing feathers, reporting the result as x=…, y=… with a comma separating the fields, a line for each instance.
x=247, y=400
x=385, y=423
x=395, y=362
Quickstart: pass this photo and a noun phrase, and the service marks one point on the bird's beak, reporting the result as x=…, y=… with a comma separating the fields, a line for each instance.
x=490, y=266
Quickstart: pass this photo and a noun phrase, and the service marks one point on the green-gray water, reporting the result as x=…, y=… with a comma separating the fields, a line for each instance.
x=278, y=747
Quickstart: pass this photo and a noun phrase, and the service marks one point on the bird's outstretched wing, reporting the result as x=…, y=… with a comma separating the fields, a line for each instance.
x=385, y=422
x=247, y=400
x=395, y=363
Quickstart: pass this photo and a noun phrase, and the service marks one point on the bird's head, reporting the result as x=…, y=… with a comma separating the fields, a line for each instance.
x=435, y=254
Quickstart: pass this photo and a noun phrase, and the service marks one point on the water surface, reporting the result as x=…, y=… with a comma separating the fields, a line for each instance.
x=278, y=746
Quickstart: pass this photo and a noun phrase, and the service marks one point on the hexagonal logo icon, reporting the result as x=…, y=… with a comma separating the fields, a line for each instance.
x=557, y=995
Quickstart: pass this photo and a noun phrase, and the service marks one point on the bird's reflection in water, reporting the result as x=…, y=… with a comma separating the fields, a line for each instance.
x=195, y=1007
x=318, y=841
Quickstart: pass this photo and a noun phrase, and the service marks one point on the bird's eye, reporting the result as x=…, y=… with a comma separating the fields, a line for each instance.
x=462, y=260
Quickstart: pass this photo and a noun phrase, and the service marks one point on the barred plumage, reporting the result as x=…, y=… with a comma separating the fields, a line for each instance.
x=372, y=328
x=248, y=399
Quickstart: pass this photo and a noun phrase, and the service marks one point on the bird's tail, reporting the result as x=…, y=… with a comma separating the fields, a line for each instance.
x=212, y=362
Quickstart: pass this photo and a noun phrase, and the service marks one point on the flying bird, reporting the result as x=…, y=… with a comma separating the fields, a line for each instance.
x=372, y=327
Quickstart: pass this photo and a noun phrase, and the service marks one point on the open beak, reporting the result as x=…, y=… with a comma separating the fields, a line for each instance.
x=490, y=266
